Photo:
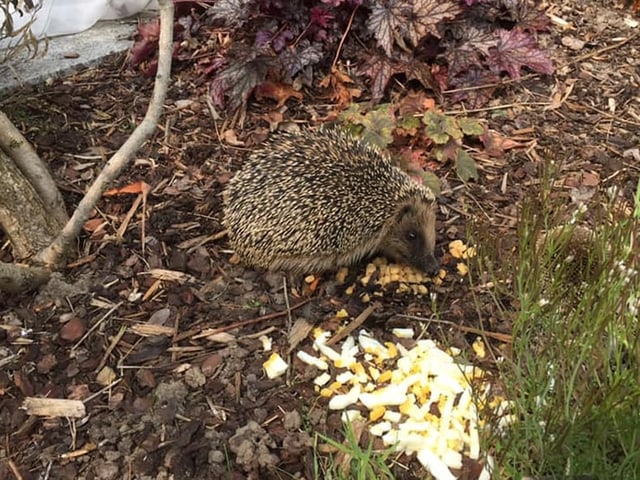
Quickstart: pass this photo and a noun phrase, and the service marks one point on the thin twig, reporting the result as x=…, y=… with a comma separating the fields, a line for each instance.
x=497, y=107
x=502, y=337
x=52, y=255
x=603, y=49
x=345, y=332
x=344, y=37
x=213, y=331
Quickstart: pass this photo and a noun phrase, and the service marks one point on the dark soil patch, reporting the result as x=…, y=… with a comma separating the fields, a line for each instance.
x=193, y=401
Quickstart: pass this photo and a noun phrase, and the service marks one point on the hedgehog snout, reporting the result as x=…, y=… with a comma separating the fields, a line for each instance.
x=427, y=263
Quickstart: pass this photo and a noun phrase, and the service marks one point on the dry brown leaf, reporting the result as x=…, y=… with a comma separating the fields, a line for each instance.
x=415, y=102
x=230, y=137
x=299, y=331
x=135, y=188
x=495, y=145
x=343, y=92
x=280, y=92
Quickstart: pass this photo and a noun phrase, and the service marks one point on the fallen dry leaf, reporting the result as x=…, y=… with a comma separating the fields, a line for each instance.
x=343, y=93
x=135, y=188
x=280, y=92
x=495, y=145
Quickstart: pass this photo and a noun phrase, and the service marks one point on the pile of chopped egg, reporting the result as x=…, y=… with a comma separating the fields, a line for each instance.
x=419, y=400
x=406, y=278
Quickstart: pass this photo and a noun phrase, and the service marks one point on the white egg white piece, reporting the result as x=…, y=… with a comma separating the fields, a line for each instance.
x=344, y=377
x=322, y=379
x=342, y=401
x=267, y=343
x=350, y=416
x=392, y=416
x=327, y=351
x=389, y=395
x=275, y=366
x=403, y=332
x=311, y=360
x=436, y=467
x=380, y=428
x=370, y=345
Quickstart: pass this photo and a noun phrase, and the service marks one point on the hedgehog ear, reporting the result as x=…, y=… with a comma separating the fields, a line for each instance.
x=404, y=211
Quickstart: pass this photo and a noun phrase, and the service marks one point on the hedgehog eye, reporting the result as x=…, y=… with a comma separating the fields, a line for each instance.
x=411, y=236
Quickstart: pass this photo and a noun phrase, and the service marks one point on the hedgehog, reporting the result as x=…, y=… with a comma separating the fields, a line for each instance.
x=318, y=200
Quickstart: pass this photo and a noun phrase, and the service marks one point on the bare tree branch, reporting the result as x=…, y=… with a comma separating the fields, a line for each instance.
x=16, y=278
x=23, y=214
x=32, y=168
x=53, y=254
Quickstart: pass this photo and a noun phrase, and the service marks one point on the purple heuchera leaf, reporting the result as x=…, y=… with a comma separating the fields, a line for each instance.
x=231, y=12
x=383, y=21
x=379, y=69
x=474, y=98
x=295, y=59
x=397, y=20
x=238, y=80
x=279, y=42
x=425, y=15
x=517, y=49
x=263, y=37
x=321, y=16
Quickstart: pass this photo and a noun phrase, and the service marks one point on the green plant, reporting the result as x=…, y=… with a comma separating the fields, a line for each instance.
x=573, y=375
x=442, y=134
x=362, y=463
x=447, y=133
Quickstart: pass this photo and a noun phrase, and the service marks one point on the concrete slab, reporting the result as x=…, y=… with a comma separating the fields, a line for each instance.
x=86, y=48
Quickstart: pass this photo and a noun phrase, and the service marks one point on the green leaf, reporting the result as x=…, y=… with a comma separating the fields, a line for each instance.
x=440, y=128
x=439, y=154
x=431, y=180
x=636, y=210
x=378, y=126
x=466, y=166
x=451, y=127
x=471, y=126
x=434, y=127
x=351, y=114
x=409, y=122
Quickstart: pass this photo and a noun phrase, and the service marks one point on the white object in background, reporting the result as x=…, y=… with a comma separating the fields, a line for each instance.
x=56, y=17
x=64, y=17
x=117, y=9
x=73, y=16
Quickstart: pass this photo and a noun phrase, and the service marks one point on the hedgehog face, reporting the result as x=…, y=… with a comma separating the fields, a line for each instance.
x=411, y=236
